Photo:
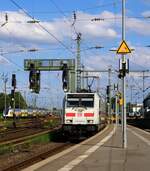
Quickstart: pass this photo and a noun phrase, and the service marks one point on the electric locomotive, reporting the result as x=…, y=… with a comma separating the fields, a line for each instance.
x=82, y=115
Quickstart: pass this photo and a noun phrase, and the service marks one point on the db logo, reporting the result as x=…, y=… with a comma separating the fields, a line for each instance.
x=79, y=114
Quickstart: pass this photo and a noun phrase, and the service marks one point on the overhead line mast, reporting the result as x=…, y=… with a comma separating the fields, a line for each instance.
x=78, y=64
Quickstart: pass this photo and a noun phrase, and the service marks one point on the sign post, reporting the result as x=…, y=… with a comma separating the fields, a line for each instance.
x=123, y=50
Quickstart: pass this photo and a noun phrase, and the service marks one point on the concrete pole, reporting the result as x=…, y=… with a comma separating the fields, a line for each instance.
x=109, y=83
x=5, y=79
x=83, y=78
x=5, y=83
x=86, y=74
x=124, y=143
x=78, y=64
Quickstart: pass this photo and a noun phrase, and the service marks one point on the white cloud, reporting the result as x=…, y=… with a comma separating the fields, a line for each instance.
x=101, y=62
x=141, y=57
x=146, y=13
x=18, y=29
x=138, y=26
x=96, y=28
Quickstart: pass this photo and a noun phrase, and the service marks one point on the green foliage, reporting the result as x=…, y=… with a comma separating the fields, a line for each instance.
x=2, y=101
x=19, y=101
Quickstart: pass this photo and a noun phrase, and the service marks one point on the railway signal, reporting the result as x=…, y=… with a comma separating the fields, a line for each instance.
x=13, y=83
x=13, y=80
x=107, y=92
x=34, y=79
x=65, y=77
x=123, y=68
x=67, y=66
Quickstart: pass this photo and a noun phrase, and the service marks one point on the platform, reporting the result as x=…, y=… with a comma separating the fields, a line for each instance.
x=103, y=152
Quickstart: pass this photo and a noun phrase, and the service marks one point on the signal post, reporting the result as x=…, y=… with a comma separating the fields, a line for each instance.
x=123, y=69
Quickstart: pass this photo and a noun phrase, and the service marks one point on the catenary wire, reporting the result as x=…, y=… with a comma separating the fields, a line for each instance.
x=46, y=30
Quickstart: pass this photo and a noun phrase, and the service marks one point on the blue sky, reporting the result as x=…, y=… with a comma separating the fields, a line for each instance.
x=57, y=17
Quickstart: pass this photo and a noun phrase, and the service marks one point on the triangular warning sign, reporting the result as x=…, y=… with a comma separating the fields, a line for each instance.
x=123, y=48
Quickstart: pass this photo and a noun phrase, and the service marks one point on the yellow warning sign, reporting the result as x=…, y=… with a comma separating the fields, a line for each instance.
x=123, y=48
x=121, y=102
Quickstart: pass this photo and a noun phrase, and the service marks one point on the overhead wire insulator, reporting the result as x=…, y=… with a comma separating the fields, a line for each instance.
x=97, y=19
x=74, y=18
x=6, y=17
x=6, y=20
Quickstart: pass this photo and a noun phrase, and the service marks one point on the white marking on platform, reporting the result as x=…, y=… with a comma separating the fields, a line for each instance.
x=76, y=161
x=50, y=159
x=140, y=137
x=143, y=131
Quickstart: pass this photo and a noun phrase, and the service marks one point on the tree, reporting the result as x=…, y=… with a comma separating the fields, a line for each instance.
x=2, y=101
x=19, y=101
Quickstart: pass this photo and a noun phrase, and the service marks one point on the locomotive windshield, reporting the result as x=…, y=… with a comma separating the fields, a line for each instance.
x=80, y=100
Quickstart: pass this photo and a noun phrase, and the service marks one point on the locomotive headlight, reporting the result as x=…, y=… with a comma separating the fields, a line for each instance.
x=68, y=121
x=148, y=110
x=90, y=121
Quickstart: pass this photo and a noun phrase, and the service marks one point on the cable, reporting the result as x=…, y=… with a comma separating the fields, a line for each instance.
x=60, y=11
x=88, y=19
x=82, y=9
x=63, y=14
x=59, y=41
x=13, y=63
x=98, y=6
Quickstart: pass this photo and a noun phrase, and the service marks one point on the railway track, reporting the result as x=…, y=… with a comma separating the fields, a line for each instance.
x=23, y=129
x=32, y=159
x=38, y=157
x=18, y=139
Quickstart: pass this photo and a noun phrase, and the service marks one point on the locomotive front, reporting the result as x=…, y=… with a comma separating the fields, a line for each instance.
x=81, y=113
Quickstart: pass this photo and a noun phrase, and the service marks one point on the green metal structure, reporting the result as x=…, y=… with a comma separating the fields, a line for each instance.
x=53, y=65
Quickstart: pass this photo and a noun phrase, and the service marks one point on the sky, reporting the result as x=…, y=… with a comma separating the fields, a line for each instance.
x=57, y=40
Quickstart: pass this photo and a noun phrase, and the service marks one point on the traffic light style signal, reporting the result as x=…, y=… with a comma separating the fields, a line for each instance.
x=107, y=93
x=13, y=80
x=123, y=68
x=108, y=90
x=34, y=81
x=12, y=98
x=65, y=77
x=65, y=86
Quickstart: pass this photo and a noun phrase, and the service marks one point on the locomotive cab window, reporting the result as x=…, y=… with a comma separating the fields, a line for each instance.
x=80, y=100
x=87, y=102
